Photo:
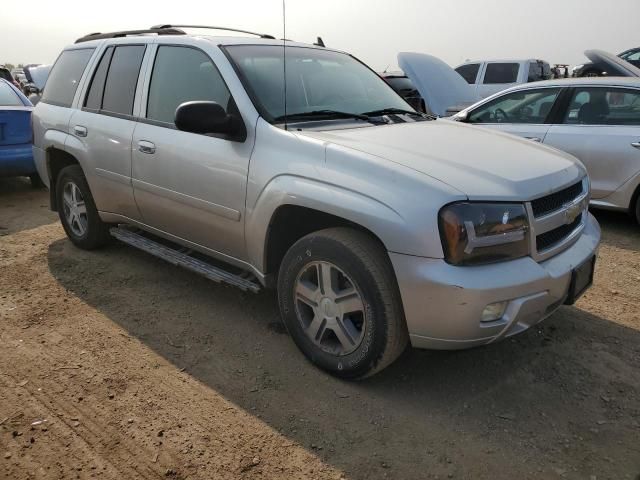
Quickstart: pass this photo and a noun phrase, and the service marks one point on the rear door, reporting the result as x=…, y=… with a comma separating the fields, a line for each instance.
x=524, y=112
x=498, y=76
x=189, y=185
x=601, y=127
x=104, y=126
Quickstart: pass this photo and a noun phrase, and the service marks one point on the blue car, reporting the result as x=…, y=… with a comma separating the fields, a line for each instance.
x=16, y=156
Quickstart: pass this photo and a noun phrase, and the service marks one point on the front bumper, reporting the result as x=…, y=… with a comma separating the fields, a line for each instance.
x=16, y=160
x=443, y=304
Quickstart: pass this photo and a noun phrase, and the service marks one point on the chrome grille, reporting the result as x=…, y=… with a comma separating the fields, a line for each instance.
x=557, y=220
x=555, y=201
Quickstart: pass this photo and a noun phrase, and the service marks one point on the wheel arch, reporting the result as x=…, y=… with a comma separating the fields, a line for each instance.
x=56, y=160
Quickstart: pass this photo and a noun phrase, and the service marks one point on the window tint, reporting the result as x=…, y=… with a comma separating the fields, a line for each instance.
x=182, y=74
x=94, y=96
x=6, y=75
x=9, y=98
x=530, y=106
x=604, y=106
x=469, y=72
x=539, y=71
x=65, y=76
x=122, y=79
x=501, y=73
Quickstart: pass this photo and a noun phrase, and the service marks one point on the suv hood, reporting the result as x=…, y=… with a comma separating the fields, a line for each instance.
x=482, y=164
x=440, y=85
x=612, y=64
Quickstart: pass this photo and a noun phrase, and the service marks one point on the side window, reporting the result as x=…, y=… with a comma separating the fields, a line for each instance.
x=120, y=87
x=469, y=72
x=604, y=106
x=183, y=74
x=529, y=106
x=65, y=76
x=501, y=73
x=94, y=96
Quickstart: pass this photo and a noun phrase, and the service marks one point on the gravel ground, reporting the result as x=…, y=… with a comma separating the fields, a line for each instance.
x=114, y=364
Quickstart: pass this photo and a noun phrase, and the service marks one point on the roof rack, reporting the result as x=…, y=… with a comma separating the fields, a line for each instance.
x=126, y=33
x=261, y=35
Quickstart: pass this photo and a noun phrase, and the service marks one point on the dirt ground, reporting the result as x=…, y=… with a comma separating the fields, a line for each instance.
x=116, y=365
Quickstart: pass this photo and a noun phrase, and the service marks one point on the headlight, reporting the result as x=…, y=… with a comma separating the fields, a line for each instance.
x=480, y=233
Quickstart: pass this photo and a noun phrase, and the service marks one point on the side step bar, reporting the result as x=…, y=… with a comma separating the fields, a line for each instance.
x=183, y=260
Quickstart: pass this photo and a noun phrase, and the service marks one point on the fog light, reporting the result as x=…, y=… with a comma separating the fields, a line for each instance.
x=494, y=312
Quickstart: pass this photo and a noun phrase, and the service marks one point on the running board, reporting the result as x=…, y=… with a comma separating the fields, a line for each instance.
x=184, y=260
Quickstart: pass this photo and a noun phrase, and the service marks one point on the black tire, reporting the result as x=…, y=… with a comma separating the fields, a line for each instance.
x=96, y=233
x=364, y=260
x=36, y=181
x=637, y=209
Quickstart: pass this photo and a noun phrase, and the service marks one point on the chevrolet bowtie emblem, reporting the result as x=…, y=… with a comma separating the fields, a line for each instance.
x=572, y=212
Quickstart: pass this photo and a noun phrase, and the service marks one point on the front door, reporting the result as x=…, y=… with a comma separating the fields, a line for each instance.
x=189, y=185
x=602, y=128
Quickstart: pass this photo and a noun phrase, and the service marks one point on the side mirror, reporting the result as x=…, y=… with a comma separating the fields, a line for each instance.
x=462, y=117
x=207, y=117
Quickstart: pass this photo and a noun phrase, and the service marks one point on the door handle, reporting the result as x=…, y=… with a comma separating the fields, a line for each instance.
x=80, y=131
x=534, y=139
x=635, y=144
x=146, y=147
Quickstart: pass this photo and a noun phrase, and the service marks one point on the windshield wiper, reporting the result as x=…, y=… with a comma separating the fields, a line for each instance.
x=326, y=114
x=396, y=111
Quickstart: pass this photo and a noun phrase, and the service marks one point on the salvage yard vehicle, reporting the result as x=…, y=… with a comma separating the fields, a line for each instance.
x=597, y=69
x=16, y=155
x=377, y=224
x=595, y=119
x=405, y=88
x=491, y=76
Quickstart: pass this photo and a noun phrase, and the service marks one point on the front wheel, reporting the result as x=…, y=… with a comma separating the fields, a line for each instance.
x=77, y=210
x=340, y=302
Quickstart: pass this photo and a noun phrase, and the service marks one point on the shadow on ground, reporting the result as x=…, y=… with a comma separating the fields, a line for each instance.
x=619, y=229
x=560, y=400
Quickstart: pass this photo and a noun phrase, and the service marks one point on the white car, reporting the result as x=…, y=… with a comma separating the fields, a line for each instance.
x=595, y=119
x=492, y=76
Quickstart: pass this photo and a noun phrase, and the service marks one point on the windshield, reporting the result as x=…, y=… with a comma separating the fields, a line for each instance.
x=317, y=80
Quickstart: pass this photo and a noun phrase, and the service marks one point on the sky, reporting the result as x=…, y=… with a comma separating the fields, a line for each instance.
x=374, y=30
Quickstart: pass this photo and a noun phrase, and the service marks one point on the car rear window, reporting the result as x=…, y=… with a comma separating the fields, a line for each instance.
x=501, y=73
x=65, y=76
x=9, y=98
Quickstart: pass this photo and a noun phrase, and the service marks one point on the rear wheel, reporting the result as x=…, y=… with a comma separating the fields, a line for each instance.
x=77, y=210
x=340, y=302
x=637, y=209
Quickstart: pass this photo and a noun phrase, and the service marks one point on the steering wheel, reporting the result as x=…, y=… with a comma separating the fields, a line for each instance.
x=504, y=115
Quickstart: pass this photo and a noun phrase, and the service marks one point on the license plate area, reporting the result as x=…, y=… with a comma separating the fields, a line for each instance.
x=581, y=280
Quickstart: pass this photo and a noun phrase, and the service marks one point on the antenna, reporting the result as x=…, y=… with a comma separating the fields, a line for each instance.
x=284, y=56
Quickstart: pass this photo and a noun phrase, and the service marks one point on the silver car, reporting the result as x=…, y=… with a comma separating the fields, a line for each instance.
x=377, y=225
x=595, y=119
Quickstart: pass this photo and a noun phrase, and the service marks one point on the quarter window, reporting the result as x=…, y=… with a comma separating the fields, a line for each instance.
x=94, y=96
x=604, y=106
x=65, y=76
x=469, y=72
x=183, y=74
x=501, y=73
x=530, y=106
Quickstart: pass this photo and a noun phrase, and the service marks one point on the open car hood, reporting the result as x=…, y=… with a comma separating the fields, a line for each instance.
x=440, y=86
x=612, y=64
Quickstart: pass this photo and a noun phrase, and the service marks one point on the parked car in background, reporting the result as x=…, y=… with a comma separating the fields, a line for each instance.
x=596, y=69
x=16, y=156
x=491, y=76
x=595, y=119
x=6, y=75
x=405, y=88
x=377, y=225
x=37, y=77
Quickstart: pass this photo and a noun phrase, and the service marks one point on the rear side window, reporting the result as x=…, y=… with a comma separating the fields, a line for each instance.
x=65, y=76
x=604, y=106
x=9, y=98
x=94, y=97
x=120, y=87
x=183, y=74
x=469, y=72
x=501, y=73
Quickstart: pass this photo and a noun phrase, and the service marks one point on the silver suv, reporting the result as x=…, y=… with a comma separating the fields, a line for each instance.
x=378, y=225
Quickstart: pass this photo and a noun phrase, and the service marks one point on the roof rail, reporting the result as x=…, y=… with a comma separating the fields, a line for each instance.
x=126, y=33
x=261, y=35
